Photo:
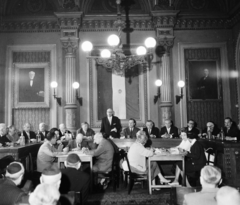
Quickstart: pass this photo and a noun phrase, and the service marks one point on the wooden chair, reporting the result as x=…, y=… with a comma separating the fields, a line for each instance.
x=113, y=175
x=133, y=177
x=211, y=156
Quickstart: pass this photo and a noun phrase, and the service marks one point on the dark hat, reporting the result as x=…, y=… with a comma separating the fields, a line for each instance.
x=73, y=158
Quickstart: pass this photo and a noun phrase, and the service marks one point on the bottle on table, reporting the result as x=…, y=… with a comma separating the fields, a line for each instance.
x=22, y=139
x=38, y=137
x=222, y=136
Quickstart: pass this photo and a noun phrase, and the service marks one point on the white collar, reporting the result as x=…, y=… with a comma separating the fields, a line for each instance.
x=193, y=141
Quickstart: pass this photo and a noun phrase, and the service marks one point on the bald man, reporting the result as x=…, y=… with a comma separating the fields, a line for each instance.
x=27, y=133
x=111, y=125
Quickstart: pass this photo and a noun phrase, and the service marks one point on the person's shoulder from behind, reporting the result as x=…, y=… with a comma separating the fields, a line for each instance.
x=192, y=198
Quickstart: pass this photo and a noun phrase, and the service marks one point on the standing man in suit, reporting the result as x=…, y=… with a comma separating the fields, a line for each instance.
x=231, y=132
x=73, y=179
x=150, y=130
x=131, y=130
x=42, y=131
x=169, y=130
x=111, y=125
x=3, y=135
x=27, y=133
x=210, y=179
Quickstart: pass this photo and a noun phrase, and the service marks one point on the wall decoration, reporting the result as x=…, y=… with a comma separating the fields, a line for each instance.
x=203, y=80
x=31, y=85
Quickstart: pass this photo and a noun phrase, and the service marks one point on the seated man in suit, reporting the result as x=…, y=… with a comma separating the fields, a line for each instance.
x=230, y=130
x=4, y=141
x=210, y=179
x=75, y=144
x=191, y=128
x=28, y=134
x=131, y=130
x=212, y=128
x=111, y=125
x=64, y=133
x=87, y=135
x=42, y=131
x=169, y=130
x=150, y=130
x=228, y=195
x=104, y=154
x=10, y=193
x=73, y=179
x=12, y=134
x=47, y=152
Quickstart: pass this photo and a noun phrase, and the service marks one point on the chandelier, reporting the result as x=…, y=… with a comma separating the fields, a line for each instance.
x=115, y=58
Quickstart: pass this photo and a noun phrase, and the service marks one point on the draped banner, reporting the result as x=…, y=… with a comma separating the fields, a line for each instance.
x=120, y=93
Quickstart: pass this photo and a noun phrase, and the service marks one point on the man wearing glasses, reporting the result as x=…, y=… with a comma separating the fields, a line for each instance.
x=191, y=128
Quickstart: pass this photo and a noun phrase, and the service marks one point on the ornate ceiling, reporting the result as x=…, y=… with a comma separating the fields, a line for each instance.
x=100, y=14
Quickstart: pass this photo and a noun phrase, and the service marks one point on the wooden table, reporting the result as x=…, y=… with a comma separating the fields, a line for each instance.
x=83, y=157
x=155, y=142
x=21, y=153
x=167, y=157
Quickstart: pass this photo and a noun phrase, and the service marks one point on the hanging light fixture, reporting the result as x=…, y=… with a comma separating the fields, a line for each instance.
x=115, y=58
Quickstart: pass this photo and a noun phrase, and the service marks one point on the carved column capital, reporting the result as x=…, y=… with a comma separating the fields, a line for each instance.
x=165, y=38
x=70, y=45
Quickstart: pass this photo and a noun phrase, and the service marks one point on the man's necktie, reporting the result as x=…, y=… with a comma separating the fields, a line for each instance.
x=149, y=131
x=131, y=132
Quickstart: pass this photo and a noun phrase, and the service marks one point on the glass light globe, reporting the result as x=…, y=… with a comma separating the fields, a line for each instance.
x=158, y=83
x=181, y=84
x=75, y=85
x=105, y=53
x=54, y=84
x=87, y=46
x=113, y=40
x=150, y=42
x=141, y=50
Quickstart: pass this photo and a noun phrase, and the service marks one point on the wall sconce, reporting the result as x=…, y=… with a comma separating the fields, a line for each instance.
x=54, y=85
x=75, y=86
x=180, y=84
x=158, y=83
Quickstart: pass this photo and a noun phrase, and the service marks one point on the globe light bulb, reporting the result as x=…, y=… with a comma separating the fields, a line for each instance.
x=158, y=83
x=181, y=84
x=54, y=84
x=150, y=42
x=105, y=53
x=113, y=40
x=75, y=85
x=87, y=46
x=141, y=50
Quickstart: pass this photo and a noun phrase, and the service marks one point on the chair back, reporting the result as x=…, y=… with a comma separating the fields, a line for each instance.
x=210, y=156
x=128, y=164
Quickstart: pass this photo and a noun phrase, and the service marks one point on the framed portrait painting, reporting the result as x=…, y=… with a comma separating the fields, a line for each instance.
x=203, y=80
x=31, y=85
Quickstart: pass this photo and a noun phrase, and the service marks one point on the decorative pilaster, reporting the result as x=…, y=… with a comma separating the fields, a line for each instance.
x=164, y=23
x=69, y=24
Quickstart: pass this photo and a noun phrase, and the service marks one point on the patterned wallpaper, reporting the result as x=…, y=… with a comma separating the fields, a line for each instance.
x=32, y=115
x=203, y=111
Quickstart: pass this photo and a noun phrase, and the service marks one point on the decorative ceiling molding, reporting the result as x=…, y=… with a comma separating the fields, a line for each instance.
x=95, y=23
x=69, y=20
x=191, y=23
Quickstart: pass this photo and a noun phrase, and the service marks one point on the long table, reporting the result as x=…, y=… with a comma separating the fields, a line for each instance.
x=155, y=142
x=167, y=157
x=21, y=153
